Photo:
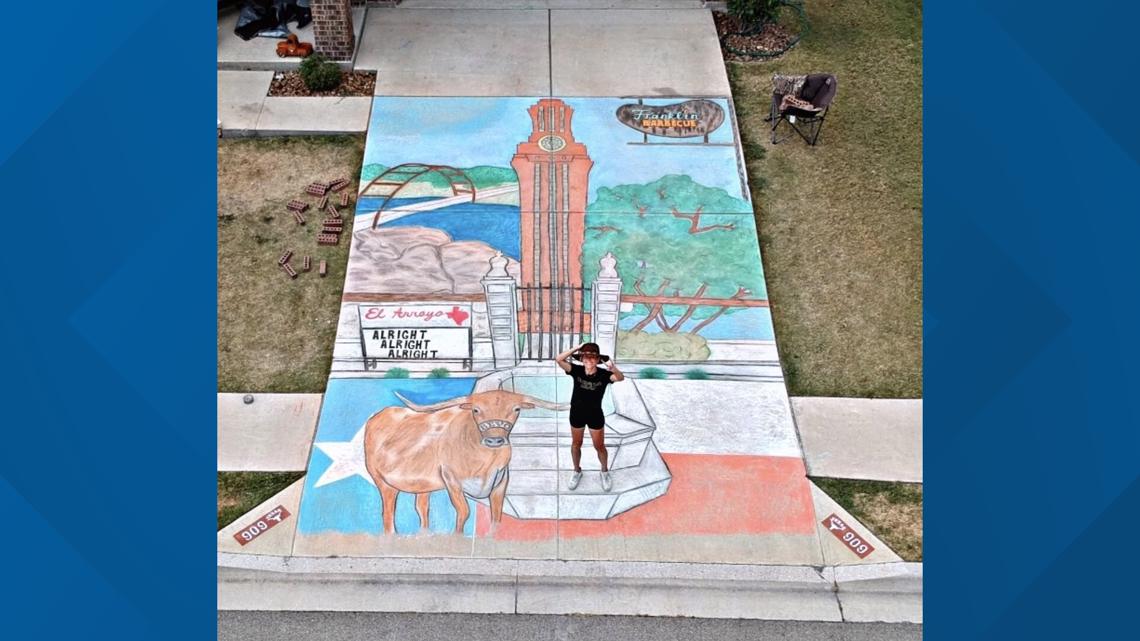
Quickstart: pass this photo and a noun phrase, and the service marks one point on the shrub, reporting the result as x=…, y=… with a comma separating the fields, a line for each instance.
x=439, y=372
x=754, y=12
x=319, y=74
x=697, y=374
x=652, y=372
x=397, y=372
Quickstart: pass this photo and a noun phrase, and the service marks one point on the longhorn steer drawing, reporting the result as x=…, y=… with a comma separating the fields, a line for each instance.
x=461, y=445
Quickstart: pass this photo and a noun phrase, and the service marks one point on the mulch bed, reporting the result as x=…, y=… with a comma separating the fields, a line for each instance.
x=355, y=83
x=771, y=39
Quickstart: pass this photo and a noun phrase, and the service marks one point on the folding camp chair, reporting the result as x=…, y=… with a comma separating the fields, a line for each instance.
x=818, y=89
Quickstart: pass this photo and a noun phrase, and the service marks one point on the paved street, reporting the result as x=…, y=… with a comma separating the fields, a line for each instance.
x=335, y=626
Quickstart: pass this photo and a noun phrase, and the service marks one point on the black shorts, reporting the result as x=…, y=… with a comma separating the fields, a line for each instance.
x=593, y=418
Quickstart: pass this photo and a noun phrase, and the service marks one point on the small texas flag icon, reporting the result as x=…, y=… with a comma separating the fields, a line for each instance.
x=457, y=315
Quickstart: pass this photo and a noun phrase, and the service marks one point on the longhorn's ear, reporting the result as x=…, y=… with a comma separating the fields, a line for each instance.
x=466, y=406
x=526, y=405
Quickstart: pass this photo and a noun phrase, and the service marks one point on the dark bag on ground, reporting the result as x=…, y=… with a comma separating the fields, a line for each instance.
x=264, y=18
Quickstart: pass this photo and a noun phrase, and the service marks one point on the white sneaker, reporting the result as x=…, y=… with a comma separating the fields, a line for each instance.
x=575, y=479
x=607, y=483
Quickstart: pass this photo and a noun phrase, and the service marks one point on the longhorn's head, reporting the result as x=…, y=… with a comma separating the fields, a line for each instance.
x=494, y=413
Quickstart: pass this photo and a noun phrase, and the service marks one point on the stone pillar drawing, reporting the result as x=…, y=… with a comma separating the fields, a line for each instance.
x=606, y=304
x=502, y=312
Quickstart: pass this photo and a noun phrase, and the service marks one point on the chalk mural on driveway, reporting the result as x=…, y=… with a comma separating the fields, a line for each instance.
x=490, y=235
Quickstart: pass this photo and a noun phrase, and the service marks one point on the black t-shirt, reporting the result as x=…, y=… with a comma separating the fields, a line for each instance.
x=588, y=389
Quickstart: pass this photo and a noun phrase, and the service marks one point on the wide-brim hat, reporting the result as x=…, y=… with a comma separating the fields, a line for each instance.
x=591, y=348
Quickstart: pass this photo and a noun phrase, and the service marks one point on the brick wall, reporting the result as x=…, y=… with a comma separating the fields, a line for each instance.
x=332, y=28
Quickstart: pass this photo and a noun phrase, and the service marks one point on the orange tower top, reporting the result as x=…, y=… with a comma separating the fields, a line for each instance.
x=551, y=131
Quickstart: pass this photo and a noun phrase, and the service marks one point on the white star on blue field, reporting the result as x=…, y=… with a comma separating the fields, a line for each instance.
x=339, y=496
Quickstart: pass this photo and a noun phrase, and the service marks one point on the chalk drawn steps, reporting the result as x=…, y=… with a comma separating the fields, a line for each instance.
x=540, y=459
x=545, y=494
x=631, y=487
x=623, y=452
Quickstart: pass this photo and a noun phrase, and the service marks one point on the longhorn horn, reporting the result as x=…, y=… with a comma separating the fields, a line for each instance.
x=434, y=406
x=547, y=405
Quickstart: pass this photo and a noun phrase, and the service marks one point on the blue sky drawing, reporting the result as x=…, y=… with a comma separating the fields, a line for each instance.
x=465, y=132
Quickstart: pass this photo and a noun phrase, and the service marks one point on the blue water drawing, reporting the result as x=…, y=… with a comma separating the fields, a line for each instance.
x=496, y=225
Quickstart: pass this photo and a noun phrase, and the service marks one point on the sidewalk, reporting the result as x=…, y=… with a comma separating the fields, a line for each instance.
x=245, y=109
x=853, y=438
x=549, y=177
x=861, y=438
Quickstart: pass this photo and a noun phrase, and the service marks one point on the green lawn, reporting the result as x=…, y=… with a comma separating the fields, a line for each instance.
x=240, y=492
x=841, y=223
x=892, y=511
x=277, y=334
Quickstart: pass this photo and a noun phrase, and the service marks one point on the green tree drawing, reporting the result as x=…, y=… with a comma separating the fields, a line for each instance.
x=675, y=237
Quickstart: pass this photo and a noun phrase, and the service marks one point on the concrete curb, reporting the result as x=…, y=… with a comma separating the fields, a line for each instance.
x=268, y=133
x=891, y=592
x=285, y=64
x=886, y=592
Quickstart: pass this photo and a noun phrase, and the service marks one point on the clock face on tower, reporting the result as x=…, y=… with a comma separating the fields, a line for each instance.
x=551, y=143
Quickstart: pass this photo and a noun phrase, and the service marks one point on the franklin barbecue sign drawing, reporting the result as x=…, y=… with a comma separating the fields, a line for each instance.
x=688, y=119
x=415, y=332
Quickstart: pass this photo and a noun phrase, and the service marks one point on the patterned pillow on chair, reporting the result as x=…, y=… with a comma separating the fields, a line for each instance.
x=787, y=85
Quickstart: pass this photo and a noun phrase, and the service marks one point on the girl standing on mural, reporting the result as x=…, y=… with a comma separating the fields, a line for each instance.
x=590, y=383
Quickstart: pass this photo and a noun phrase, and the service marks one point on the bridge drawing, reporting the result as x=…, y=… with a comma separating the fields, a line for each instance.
x=381, y=216
x=393, y=180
